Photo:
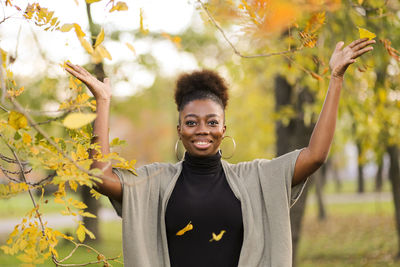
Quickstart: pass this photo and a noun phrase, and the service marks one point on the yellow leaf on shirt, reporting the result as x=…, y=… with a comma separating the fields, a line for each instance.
x=217, y=237
x=185, y=229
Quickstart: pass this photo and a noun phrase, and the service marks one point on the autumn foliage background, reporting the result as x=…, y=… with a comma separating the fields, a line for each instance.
x=274, y=55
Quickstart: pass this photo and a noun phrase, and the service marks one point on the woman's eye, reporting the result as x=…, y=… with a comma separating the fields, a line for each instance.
x=213, y=122
x=190, y=123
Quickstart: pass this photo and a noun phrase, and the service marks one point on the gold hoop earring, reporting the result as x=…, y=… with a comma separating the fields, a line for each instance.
x=234, y=147
x=176, y=151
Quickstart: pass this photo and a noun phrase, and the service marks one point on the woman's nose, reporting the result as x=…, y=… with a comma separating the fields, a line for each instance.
x=202, y=129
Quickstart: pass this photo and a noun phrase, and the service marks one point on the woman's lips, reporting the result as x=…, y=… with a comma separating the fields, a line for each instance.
x=202, y=144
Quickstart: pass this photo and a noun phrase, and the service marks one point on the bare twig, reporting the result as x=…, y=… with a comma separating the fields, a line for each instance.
x=29, y=190
x=59, y=262
x=40, y=182
x=237, y=52
x=10, y=160
x=48, y=121
x=14, y=172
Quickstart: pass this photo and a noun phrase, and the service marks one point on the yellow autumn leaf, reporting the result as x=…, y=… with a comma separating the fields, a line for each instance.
x=14, y=93
x=87, y=214
x=77, y=120
x=89, y=233
x=73, y=185
x=142, y=29
x=92, y=1
x=185, y=229
x=34, y=150
x=78, y=30
x=88, y=47
x=59, y=200
x=80, y=233
x=217, y=237
x=95, y=194
x=366, y=34
x=66, y=27
x=131, y=48
x=81, y=152
x=17, y=120
x=27, y=139
x=78, y=204
x=3, y=57
x=103, y=52
x=119, y=6
x=100, y=38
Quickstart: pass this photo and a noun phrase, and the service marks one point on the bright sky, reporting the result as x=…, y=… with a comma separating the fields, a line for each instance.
x=172, y=17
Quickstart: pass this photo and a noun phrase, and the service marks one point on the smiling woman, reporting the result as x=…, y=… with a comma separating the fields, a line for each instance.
x=201, y=98
x=204, y=211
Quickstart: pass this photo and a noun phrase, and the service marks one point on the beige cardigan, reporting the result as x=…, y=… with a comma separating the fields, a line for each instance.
x=263, y=187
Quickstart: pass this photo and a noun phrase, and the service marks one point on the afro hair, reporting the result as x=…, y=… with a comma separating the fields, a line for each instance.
x=203, y=84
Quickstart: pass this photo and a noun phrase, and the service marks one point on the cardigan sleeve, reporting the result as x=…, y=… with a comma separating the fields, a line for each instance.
x=279, y=172
x=123, y=176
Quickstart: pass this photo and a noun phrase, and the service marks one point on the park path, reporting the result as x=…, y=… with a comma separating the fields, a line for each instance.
x=107, y=214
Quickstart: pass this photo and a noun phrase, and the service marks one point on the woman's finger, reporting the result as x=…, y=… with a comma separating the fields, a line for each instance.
x=356, y=42
x=72, y=66
x=74, y=73
x=362, y=51
x=339, y=46
x=107, y=81
x=363, y=44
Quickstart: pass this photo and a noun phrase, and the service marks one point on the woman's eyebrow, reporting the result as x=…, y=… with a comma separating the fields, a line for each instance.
x=197, y=116
x=191, y=115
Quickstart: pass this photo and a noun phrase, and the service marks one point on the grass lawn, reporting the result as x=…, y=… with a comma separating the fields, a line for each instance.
x=357, y=234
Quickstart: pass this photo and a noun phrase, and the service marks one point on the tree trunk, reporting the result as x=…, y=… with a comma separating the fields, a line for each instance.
x=93, y=205
x=394, y=176
x=360, y=178
x=289, y=137
x=379, y=175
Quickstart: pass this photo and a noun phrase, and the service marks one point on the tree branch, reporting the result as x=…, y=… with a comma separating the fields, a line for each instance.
x=59, y=262
x=51, y=142
x=237, y=52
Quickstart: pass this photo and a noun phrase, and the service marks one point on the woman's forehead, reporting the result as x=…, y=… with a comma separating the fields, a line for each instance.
x=202, y=108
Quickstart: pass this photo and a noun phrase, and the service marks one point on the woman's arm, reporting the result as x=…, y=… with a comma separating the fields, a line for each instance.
x=102, y=93
x=315, y=154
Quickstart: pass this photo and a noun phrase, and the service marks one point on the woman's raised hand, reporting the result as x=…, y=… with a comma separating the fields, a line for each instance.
x=100, y=90
x=342, y=58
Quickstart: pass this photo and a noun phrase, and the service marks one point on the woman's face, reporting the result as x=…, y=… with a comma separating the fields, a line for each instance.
x=201, y=127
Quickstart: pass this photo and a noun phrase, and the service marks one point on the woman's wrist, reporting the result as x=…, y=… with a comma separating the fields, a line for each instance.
x=103, y=101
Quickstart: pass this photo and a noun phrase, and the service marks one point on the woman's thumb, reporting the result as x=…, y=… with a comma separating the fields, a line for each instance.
x=107, y=81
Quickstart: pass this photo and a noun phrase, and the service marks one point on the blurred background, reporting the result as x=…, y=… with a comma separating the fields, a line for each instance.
x=274, y=55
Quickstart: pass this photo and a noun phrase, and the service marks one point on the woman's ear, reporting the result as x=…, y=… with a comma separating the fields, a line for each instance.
x=224, y=130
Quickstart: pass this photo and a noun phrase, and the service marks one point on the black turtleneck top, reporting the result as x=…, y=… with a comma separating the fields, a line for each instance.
x=203, y=197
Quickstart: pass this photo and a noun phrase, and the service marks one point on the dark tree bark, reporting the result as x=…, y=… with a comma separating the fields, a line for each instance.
x=379, y=175
x=295, y=135
x=360, y=167
x=394, y=176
